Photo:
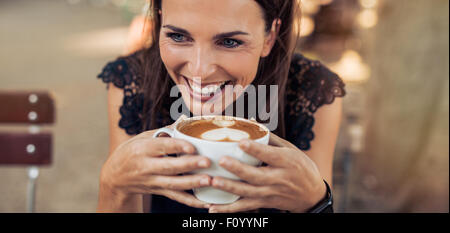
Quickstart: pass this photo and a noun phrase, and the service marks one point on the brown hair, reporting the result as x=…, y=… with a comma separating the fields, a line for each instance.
x=272, y=70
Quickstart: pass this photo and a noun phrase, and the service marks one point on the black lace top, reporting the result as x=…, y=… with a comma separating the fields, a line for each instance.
x=310, y=85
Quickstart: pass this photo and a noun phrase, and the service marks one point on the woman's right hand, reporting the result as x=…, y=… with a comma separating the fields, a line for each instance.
x=138, y=166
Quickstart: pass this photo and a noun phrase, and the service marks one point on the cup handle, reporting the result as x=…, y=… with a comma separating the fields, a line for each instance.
x=168, y=131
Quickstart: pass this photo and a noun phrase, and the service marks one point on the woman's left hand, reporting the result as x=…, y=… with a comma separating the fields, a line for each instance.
x=291, y=181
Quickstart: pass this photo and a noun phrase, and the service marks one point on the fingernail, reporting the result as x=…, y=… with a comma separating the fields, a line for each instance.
x=212, y=210
x=218, y=182
x=202, y=163
x=224, y=161
x=187, y=149
x=244, y=144
x=207, y=206
x=204, y=181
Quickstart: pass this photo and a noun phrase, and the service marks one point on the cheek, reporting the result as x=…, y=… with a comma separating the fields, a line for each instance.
x=171, y=57
x=243, y=67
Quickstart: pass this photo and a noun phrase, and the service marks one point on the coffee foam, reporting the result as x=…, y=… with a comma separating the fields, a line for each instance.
x=221, y=129
x=223, y=123
x=224, y=133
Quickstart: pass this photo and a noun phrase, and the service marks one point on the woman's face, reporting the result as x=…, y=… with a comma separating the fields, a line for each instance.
x=206, y=44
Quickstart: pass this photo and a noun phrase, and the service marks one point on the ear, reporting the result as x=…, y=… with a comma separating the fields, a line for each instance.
x=271, y=38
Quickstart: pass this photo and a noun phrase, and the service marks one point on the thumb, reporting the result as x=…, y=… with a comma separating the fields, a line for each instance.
x=274, y=140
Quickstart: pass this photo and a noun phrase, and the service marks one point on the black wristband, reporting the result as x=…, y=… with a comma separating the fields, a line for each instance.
x=326, y=204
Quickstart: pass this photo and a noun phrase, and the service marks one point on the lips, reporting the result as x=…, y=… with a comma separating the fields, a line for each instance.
x=205, y=92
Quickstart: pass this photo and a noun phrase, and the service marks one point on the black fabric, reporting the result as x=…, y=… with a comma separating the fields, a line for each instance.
x=310, y=85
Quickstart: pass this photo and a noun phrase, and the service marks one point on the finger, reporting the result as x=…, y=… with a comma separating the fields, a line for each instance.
x=280, y=142
x=184, y=182
x=241, y=205
x=241, y=188
x=178, y=165
x=183, y=197
x=253, y=175
x=275, y=156
x=162, y=146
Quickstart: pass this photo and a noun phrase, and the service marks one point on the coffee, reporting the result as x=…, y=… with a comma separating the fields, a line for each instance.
x=219, y=132
x=222, y=129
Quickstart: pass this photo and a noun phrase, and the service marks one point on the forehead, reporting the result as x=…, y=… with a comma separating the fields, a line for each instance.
x=213, y=15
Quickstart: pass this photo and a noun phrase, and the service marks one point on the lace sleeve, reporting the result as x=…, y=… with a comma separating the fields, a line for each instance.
x=310, y=86
x=124, y=74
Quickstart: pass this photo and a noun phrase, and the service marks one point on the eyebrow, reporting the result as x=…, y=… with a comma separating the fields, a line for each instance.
x=218, y=36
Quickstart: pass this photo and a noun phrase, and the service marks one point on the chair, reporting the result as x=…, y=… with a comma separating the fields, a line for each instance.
x=32, y=148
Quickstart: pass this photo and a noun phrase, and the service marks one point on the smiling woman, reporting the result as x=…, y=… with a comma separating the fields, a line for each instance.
x=199, y=47
x=203, y=45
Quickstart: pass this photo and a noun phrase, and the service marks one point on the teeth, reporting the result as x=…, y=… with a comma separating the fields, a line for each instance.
x=196, y=88
x=210, y=89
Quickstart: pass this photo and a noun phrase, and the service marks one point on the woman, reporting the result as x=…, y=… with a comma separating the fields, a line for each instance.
x=241, y=42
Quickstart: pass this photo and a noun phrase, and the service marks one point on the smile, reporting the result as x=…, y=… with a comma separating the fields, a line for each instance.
x=205, y=92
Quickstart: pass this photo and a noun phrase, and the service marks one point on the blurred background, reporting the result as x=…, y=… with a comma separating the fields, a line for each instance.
x=392, y=153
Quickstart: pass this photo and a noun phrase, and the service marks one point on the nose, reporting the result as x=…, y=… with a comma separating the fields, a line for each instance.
x=202, y=63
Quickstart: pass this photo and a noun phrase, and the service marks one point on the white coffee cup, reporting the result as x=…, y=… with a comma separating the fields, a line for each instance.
x=215, y=150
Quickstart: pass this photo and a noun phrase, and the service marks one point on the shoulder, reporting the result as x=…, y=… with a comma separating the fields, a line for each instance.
x=313, y=81
x=310, y=86
x=125, y=72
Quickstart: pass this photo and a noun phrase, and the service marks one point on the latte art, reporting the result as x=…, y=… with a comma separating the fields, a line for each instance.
x=225, y=134
x=222, y=129
x=223, y=123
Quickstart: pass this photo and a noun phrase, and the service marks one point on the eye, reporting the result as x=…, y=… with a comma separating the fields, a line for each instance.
x=177, y=37
x=230, y=43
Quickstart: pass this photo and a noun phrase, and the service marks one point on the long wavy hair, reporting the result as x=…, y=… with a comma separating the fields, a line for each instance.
x=272, y=70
